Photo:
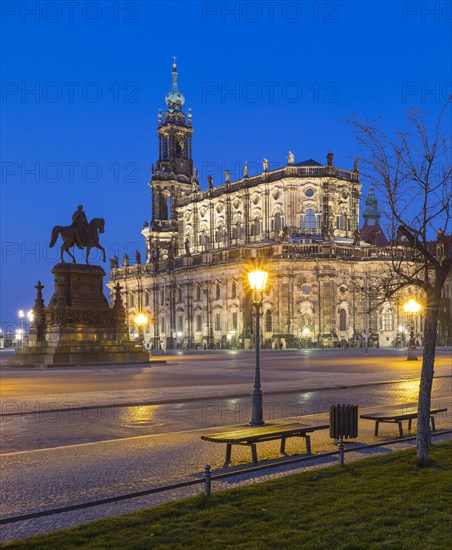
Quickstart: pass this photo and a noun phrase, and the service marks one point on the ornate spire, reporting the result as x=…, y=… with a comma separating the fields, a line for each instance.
x=371, y=214
x=174, y=98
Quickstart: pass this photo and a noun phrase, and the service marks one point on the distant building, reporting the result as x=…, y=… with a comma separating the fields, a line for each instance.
x=302, y=220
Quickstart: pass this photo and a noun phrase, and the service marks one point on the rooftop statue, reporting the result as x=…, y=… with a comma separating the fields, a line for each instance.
x=80, y=233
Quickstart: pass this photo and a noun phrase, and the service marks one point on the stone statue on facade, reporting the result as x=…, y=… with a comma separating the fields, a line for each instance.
x=80, y=233
x=137, y=257
x=328, y=233
x=285, y=234
x=171, y=250
x=440, y=242
x=227, y=176
x=356, y=237
x=187, y=246
x=126, y=260
x=210, y=181
x=114, y=262
x=265, y=165
x=245, y=170
x=330, y=158
x=331, y=236
x=290, y=158
x=356, y=164
x=154, y=252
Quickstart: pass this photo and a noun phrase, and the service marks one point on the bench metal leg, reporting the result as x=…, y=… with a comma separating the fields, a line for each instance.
x=254, y=453
x=410, y=420
x=308, y=445
x=376, y=427
x=282, y=449
x=432, y=420
x=400, y=429
x=228, y=453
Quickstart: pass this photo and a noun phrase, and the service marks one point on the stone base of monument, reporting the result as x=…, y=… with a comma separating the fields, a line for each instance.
x=78, y=327
x=48, y=355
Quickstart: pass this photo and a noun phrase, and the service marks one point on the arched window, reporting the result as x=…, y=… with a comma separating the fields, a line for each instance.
x=179, y=294
x=146, y=298
x=198, y=292
x=220, y=233
x=257, y=226
x=218, y=322
x=217, y=291
x=234, y=320
x=132, y=299
x=180, y=323
x=309, y=219
x=162, y=296
x=341, y=224
x=342, y=319
x=234, y=289
x=387, y=319
x=268, y=321
x=278, y=222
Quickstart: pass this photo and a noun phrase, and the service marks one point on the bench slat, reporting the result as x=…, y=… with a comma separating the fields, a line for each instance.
x=265, y=433
x=398, y=414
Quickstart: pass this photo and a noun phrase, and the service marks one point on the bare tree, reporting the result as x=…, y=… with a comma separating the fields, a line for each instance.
x=411, y=171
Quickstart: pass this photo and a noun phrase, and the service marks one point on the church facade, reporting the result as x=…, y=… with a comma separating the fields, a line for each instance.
x=301, y=221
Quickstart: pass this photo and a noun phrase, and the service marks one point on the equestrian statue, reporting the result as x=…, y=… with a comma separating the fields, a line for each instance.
x=80, y=233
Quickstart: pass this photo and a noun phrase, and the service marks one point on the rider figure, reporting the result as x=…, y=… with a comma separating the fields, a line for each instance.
x=81, y=226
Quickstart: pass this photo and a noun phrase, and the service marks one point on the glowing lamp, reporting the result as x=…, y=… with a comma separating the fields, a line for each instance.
x=412, y=306
x=141, y=320
x=257, y=279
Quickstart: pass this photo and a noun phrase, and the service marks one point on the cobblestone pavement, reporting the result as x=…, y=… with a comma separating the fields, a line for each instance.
x=50, y=478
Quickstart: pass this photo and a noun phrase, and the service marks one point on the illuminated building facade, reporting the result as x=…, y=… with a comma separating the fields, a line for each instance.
x=301, y=219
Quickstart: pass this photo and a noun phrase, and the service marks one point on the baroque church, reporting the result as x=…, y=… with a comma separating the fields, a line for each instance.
x=301, y=221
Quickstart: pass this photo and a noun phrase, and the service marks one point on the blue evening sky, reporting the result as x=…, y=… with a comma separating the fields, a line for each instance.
x=82, y=83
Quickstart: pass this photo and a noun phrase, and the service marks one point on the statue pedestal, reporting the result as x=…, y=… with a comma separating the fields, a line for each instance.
x=78, y=326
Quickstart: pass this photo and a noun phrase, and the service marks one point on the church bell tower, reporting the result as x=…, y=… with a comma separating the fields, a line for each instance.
x=173, y=177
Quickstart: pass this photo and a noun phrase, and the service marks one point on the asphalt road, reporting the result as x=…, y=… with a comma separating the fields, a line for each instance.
x=210, y=368
x=58, y=428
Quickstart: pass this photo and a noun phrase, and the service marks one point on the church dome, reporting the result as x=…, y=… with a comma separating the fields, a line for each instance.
x=175, y=98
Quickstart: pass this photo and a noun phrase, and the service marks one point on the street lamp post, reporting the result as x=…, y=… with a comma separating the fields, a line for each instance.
x=141, y=321
x=21, y=331
x=412, y=307
x=257, y=280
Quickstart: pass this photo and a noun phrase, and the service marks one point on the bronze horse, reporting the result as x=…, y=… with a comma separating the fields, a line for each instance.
x=69, y=235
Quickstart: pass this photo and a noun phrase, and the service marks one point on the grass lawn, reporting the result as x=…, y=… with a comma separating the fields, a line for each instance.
x=385, y=502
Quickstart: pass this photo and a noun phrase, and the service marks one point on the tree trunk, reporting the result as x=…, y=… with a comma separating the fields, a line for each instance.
x=426, y=383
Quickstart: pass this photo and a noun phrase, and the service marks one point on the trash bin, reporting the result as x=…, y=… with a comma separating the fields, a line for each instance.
x=343, y=424
x=343, y=421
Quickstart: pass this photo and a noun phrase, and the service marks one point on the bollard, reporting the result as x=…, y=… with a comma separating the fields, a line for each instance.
x=207, y=479
x=341, y=448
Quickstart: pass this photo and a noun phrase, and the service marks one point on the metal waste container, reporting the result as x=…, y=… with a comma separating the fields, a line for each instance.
x=343, y=424
x=343, y=421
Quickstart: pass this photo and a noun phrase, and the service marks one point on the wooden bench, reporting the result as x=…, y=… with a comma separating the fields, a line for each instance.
x=397, y=416
x=251, y=436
